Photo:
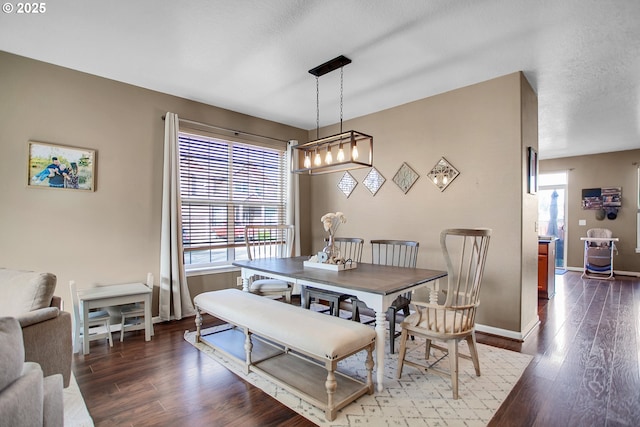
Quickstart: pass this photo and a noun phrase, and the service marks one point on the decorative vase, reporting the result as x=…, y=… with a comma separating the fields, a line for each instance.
x=332, y=252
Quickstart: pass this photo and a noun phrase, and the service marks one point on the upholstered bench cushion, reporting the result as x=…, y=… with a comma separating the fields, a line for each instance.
x=287, y=323
x=24, y=291
x=268, y=285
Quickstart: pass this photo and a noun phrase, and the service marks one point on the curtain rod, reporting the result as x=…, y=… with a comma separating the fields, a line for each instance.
x=237, y=132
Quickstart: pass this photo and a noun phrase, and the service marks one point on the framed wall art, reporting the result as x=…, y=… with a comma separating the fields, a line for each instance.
x=405, y=177
x=61, y=167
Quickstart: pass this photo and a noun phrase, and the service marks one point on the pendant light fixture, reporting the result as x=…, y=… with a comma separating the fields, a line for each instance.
x=352, y=149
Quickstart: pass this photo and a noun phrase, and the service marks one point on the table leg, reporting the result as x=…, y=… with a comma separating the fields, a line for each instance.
x=381, y=329
x=147, y=317
x=85, y=329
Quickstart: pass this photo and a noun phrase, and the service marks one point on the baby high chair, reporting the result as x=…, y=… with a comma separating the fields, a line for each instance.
x=599, y=246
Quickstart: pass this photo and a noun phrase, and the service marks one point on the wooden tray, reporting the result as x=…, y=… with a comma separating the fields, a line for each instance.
x=331, y=267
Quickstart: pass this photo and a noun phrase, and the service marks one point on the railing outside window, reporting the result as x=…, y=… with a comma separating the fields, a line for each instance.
x=225, y=185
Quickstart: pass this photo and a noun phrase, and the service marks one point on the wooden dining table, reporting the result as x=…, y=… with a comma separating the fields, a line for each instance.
x=376, y=285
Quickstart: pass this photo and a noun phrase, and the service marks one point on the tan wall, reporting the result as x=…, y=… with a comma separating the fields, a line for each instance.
x=111, y=235
x=478, y=129
x=618, y=169
x=529, y=212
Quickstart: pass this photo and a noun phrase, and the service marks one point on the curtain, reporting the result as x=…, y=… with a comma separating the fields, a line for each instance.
x=175, y=300
x=293, y=190
x=293, y=207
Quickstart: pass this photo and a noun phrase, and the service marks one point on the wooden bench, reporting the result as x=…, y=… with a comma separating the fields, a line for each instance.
x=298, y=349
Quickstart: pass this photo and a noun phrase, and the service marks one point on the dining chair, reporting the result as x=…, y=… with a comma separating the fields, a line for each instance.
x=132, y=315
x=269, y=241
x=350, y=249
x=465, y=254
x=396, y=253
x=99, y=321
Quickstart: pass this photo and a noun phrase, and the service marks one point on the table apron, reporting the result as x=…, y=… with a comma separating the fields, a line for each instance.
x=116, y=300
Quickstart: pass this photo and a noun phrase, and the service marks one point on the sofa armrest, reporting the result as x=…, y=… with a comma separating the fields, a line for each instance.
x=21, y=403
x=53, y=407
x=57, y=302
x=37, y=316
x=49, y=343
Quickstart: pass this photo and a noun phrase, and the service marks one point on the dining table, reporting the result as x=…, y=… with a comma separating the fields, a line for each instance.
x=375, y=285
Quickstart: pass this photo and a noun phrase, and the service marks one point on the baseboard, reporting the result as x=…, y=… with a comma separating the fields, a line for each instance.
x=505, y=333
x=615, y=272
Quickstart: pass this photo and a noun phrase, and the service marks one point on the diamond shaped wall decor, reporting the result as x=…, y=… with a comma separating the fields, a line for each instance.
x=405, y=177
x=347, y=183
x=373, y=181
x=442, y=174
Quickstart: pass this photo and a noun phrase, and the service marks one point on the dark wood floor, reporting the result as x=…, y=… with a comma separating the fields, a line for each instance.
x=585, y=370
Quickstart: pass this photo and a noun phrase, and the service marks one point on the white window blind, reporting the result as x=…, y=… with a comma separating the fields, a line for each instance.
x=224, y=186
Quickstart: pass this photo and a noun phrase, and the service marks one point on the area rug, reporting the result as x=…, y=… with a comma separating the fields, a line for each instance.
x=418, y=398
x=75, y=410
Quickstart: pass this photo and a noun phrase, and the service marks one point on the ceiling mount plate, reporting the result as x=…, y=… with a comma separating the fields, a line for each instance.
x=330, y=66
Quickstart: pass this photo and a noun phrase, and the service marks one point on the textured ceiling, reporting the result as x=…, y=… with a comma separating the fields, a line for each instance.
x=582, y=57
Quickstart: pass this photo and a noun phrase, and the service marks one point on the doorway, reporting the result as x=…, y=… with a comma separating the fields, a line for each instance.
x=552, y=211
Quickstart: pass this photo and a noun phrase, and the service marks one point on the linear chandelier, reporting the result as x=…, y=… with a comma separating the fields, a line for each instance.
x=352, y=149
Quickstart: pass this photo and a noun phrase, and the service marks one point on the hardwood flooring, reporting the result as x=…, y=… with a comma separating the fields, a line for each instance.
x=585, y=370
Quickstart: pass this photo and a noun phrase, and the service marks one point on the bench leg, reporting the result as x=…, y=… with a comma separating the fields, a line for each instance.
x=369, y=365
x=248, y=346
x=331, y=385
x=198, y=324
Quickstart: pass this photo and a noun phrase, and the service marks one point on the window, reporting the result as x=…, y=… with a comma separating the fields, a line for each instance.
x=224, y=186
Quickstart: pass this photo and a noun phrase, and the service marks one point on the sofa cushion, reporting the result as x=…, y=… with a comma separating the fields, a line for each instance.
x=24, y=291
x=11, y=351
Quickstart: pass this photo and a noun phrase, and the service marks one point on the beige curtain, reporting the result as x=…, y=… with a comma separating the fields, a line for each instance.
x=293, y=190
x=293, y=206
x=175, y=300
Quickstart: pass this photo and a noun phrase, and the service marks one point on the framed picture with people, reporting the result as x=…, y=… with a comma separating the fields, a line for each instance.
x=61, y=167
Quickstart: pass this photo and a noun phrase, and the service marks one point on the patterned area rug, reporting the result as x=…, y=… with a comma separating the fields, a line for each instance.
x=418, y=398
x=75, y=410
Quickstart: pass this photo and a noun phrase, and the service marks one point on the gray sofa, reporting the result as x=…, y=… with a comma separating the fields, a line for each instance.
x=27, y=397
x=46, y=329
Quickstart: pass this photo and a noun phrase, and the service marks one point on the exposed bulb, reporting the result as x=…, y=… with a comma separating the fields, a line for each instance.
x=340, y=155
x=329, y=157
x=307, y=161
x=354, y=152
x=317, y=160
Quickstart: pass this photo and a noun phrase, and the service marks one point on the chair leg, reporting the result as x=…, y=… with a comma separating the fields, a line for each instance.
x=427, y=349
x=334, y=307
x=287, y=296
x=355, y=312
x=473, y=350
x=392, y=330
x=306, y=299
x=109, y=333
x=403, y=352
x=453, y=363
x=124, y=318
